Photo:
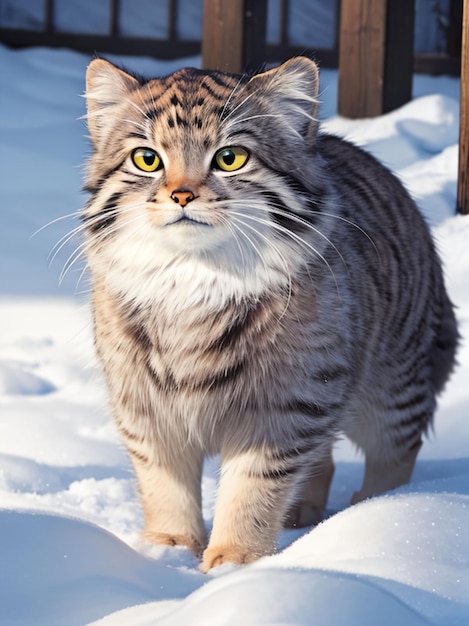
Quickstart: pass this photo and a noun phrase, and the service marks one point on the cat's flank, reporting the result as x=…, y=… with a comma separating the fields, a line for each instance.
x=259, y=288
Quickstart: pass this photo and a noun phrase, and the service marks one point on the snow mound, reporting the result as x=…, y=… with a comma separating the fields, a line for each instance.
x=401, y=557
x=15, y=379
x=432, y=122
x=65, y=571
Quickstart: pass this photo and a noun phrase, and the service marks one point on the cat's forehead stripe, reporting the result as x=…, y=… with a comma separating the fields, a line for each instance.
x=189, y=88
x=187, y=98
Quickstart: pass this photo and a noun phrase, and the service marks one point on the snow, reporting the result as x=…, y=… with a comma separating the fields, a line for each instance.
x=69, y=515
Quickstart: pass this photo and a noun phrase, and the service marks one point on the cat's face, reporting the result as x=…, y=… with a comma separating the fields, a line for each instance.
x=198, y=163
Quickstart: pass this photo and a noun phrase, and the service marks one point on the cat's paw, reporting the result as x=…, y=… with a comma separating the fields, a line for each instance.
x=167, y=539
x=301, y=515
x=226, y=554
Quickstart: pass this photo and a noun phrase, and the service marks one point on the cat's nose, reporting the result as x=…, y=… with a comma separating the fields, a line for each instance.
x=182, y=196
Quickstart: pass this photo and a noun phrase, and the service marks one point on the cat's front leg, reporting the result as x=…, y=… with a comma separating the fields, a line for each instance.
x=254, y=495
x=169, y=490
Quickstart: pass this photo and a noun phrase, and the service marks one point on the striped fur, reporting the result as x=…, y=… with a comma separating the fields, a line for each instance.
x=289, y=301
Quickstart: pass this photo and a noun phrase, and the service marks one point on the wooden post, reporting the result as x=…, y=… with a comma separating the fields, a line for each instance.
x=375, y=56
x=233, y=38
x=463, y=167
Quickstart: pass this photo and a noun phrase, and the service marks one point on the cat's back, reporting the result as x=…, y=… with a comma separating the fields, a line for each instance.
x=392, y=260
x=372, y=204
x=366, y=187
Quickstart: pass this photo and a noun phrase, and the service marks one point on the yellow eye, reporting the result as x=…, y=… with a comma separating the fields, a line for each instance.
x=146, y=159
x=230, y=159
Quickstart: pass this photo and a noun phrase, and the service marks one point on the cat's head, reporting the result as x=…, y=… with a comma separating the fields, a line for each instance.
x=200, y=163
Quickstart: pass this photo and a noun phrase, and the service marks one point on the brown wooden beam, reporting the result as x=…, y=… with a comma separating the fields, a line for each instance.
x=375, y=56
x=222, y=35
x=361, y=57
x=233, y=34
x=463, y=168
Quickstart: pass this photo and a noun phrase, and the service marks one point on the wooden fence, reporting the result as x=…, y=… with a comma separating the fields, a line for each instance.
x=245, y=21
x=110, y=42
x=172, y=46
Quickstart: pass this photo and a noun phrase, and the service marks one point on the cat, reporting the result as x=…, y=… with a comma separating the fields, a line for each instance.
x=259, y=289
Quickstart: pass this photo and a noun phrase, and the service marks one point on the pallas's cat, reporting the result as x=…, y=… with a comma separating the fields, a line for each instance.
x=259, y=288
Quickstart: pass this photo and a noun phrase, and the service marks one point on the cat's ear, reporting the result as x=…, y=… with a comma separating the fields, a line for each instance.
x=106, y=85
x=292, y=89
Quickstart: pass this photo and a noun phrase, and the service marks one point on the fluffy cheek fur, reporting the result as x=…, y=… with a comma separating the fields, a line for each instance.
x=222, y=248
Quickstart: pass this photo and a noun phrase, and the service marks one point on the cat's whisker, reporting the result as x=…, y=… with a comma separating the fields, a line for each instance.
x=271, y=208
x=99, y=113
x=257, y=205
x=229, y=226
x=58, y=246
x=133, y=104
x=300, y=240
x=141, y=232
x=63, y=241
x=274, y=248
x=232, y=93
x=92, y=221
x=138, y=125
x=80, y=278
x=241, y=120
x=355, y=225
x=71, y=260
x=153, y=102
x=80, y=250
x=295, y=237
x=103, y=234
x=305, y=113
x=293, y=130
x=242, y=103
x=54, y=221
x=321, y=212
x=253, y=245
x=262, y=206
x=142, y=100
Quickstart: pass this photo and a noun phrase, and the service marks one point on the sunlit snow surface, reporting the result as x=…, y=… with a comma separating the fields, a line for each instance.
x=69, y=520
